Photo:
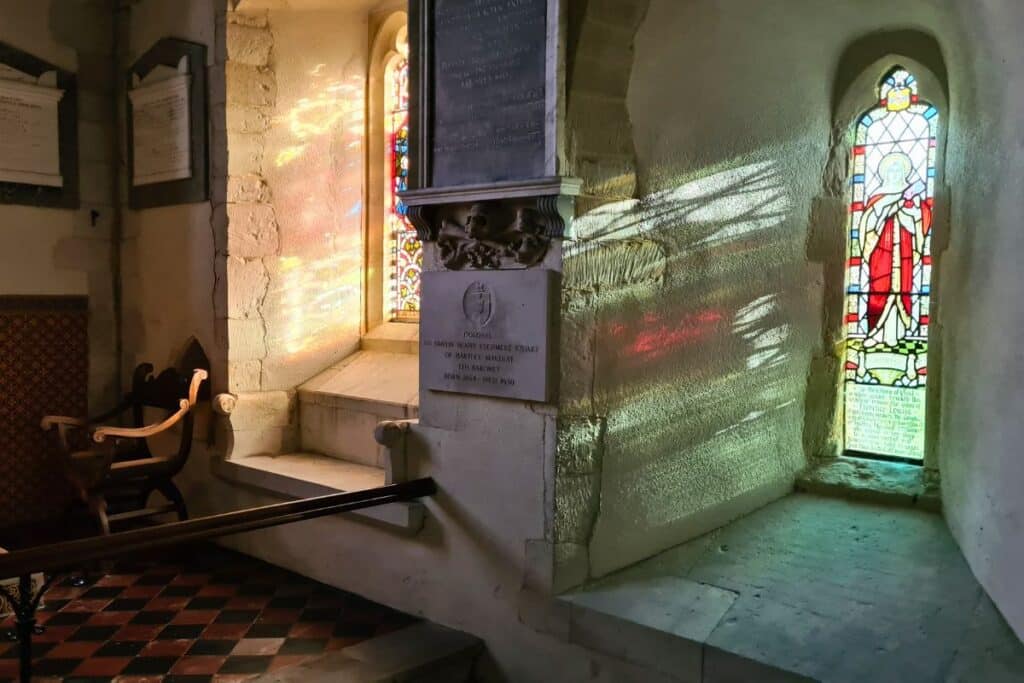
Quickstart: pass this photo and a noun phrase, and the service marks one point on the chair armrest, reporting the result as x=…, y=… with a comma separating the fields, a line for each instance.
x=50, y=421
x=102, y=433
x=198, y=377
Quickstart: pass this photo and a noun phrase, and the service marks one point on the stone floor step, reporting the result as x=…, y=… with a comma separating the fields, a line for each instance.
x=805, y=589
x=340, y=408
x=421, y=653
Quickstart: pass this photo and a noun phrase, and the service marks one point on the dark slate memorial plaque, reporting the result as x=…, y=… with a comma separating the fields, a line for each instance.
x=489, y=333
x=489, y=91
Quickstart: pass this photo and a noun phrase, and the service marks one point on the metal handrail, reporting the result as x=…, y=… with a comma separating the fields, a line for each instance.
x=54, y=557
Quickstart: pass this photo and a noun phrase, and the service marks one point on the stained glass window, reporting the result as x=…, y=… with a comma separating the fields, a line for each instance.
x=889, y=272
x=406, y=252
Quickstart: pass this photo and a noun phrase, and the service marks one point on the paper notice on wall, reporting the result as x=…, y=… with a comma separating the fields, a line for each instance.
x=162, y=126
x=29, y=129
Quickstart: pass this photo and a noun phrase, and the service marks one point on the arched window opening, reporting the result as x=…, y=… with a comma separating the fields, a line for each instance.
x=403, y=248
x=888, y=295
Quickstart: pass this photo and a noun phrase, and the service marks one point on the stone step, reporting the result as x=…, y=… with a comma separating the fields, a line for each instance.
x=421, y=653
x=340, y=408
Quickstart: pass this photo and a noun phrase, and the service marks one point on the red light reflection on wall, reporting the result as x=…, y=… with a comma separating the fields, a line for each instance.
x=657, y=335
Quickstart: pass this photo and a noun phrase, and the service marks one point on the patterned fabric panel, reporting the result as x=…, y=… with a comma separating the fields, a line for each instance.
x=44, y=369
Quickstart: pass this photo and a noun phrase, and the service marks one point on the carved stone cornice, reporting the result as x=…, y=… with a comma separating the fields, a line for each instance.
x=497, y=226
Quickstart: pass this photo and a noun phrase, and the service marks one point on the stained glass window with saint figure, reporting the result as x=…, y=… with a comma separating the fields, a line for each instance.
x=405, y=252
x=888, y=292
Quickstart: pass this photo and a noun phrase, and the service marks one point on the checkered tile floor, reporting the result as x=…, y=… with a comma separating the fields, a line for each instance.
x=213, y=615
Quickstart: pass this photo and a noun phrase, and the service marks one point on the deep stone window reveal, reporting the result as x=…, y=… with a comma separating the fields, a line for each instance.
x=888, y=288
x=404, y=249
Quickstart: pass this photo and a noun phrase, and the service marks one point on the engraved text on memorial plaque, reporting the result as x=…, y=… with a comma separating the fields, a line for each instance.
x=489, y=333
x=489, y=91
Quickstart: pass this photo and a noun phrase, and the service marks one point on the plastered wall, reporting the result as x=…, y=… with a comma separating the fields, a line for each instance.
x=981, y=431
x=171, y=281
x=61, y=251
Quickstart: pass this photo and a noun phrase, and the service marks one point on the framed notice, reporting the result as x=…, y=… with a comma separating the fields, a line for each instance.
x=38, y=132
x=167, y=117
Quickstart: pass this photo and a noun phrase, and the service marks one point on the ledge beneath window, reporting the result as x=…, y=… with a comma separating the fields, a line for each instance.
x=876, y=481
x=307, y=475
x=394, y=337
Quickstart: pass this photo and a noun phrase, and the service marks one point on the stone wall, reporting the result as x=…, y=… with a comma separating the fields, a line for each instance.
x=62, y=251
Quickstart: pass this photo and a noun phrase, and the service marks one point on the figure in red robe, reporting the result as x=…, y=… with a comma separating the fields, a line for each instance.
x=893, y=228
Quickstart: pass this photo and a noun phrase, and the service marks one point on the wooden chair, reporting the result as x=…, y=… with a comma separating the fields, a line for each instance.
x=111, y=468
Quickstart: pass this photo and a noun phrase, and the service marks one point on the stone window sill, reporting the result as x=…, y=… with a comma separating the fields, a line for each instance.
x=307, y=475
x=375, y=382
x=393, y=337
x=872, y=480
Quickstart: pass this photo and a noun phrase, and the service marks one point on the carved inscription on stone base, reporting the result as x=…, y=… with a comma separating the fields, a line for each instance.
x=490, y=333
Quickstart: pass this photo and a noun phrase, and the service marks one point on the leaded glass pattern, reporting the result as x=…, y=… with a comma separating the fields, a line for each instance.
x=406, y=252
x=889, y=266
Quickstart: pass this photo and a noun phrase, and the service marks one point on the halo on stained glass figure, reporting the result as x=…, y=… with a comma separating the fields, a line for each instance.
x=406, y=251
x=889, y=263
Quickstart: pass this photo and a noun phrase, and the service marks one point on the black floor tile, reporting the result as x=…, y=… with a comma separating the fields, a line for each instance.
x=296, y=602
x=237, y=616
x=68, y=618
x=155, y=580
x=181, y=632
x=206, y=603
x=54, y=667
x=121, y=648
x=245, y=665
x=149, y=666
x=179, y=591
x=126, y=605
x=302, y=646
x=212, y=647
x=153, y=617
x=94, y=634
x=102, y=592
x=53, y=605
x=320, y=614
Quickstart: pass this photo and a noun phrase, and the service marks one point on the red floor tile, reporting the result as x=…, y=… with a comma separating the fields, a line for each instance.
x=102, y=666
x=111, y=618
x=195, y=616
x=74, y=650
x=55, y=634
x=141, y=591
x=166, y=648
x=117, y=580
x=86, y=605
x=138, y=632
x=167, y=604
x=226, y=631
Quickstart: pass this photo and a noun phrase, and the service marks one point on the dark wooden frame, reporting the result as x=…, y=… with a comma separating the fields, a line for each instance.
x=168, y=52
x=67, y=196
